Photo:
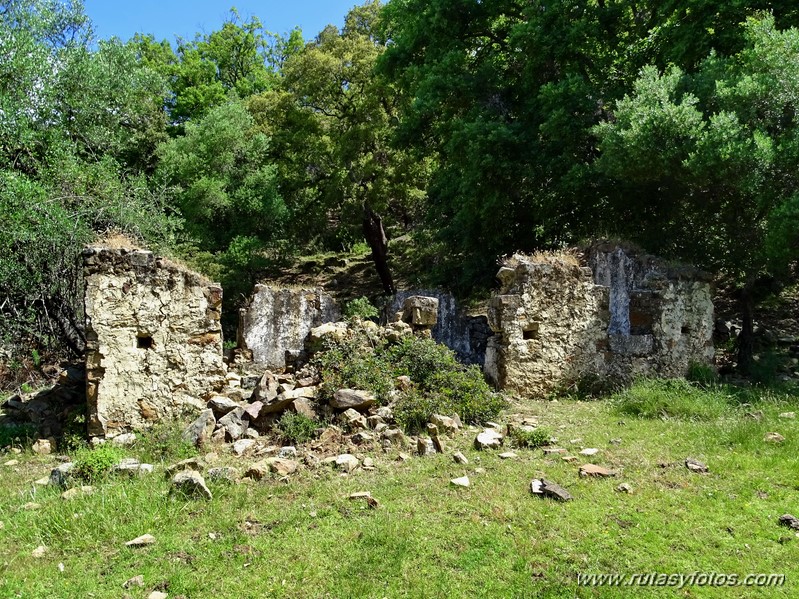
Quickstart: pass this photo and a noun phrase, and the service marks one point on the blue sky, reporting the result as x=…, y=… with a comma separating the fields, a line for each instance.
x=169, y=18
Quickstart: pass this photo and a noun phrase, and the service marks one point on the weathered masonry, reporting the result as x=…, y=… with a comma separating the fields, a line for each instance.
x=274, y=325
x=562, y=321
x=154, y=340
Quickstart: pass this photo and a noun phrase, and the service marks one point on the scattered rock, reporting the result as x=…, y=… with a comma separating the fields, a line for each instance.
x=352, y=398
x=460, y=458
x=133, y=466
x=11, y=463
x=157, y=595
x=43, y=447
x=790, y=521
x=257, y=471
x=199, y=432
x=508, y=455
x=696, y=466
x=394, y=437
x=124, y=440
x=463, y=481
x=306, y=407
x=624, y=488
x=197, y=464
x=569, y=458
x=594, y=470
x=60, y=475
x=445, y=423
x=333, y=332
x=788, y=415
x=287, y=452
x=266, y=388
x=589, y=451
x=233, y=424
x=773, y=438
x=222, y=405
x=136, y=581
x=146, y=539
x=77, y=492
x=347, y=462
x=368, y=464
x=192, y=484
x=282, y=467
x=353, y=419
x=40, y=551
x=386, y=413
x=420, y=311
x=553, y=450
x=549, y=489
x=425, y=446
x=615, y=441
x=479, y=470
x=223, y=474
x=30, y=506
x=241, y=446
x=488, y=439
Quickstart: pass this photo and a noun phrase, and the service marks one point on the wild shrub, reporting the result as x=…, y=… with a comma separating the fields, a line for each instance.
x=93, y=464
x=535, y=438
x=296, y=428
x=361, y=307
x=164, y=442
x=703, y=375
x=16, y=434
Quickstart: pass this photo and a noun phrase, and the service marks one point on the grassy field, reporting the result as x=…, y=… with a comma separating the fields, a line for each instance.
x=427, y=538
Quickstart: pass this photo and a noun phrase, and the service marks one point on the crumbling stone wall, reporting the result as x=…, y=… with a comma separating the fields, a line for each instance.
x=608, y=316
x=274, y=325
x=154, y=340
x=464, y=333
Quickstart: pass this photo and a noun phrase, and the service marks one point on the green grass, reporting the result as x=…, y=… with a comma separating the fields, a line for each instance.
x=429, y=539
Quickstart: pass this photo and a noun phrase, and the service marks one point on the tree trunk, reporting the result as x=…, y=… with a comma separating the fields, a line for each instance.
x=71, y=334
x=746, y=336
x=376, y=238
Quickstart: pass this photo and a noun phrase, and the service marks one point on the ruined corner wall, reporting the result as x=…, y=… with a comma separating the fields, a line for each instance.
x=560, y=324
x=547, y=318
x=277, y=321
x=154, y=340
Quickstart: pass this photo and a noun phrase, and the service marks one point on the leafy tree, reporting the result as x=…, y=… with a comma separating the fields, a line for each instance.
x=331, y=121
x=715, y=156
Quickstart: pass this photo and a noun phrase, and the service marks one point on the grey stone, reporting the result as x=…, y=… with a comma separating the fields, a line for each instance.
x=347, y=462
x=195, y=463
x=306, y=407
x=132, y=466
x=508, y=455
x=222, y=405
x=394, y=437
x=386, y=413
x=463, y=481
x=60, y=476
x=141, y=541
x=266, y=388
x=624, y=488
x=353, y=419
x=460, y=458
x=696, y=466
x=76, y=492
x=352, y=398
x=191, y=484
x=124, y=440
x=241, y=446
x=589, y=451
x=136, y=581
x=362, y=438
x=547, y=488
x=788, y=415
x=234, y=424
x=420, y=311
x=288, y=451
x=488, y=439
x=773, y=438
x=258, y=470
x=425, y=447
x=790, y=521
x=199, y=432
x=43, y=447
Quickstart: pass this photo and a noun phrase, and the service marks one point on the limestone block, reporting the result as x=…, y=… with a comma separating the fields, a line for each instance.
x=420, y=311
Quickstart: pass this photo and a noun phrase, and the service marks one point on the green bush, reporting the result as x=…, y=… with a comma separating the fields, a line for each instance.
x=16, y=434
x=93, y=464
x=440, y=383
x=534, y=438
x=671, y=398
x=296, y=428
x=361, y=308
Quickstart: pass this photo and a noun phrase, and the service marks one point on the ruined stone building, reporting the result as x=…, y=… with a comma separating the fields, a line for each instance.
x=563, y=320
x=154, y=340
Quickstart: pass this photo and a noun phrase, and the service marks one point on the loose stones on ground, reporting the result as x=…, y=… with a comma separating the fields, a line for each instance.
x=192, y=484
x=790, y=521
x=594, y=470
x=141, y=541
x=773, y=438
x=696, y=466
x=463, y=481
x=546, y=488
x=488, y=439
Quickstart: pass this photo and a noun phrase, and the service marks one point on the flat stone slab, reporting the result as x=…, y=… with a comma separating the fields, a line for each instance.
x=463, y=481
x=594, y=470
x=547, y=488
x=696, y=466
